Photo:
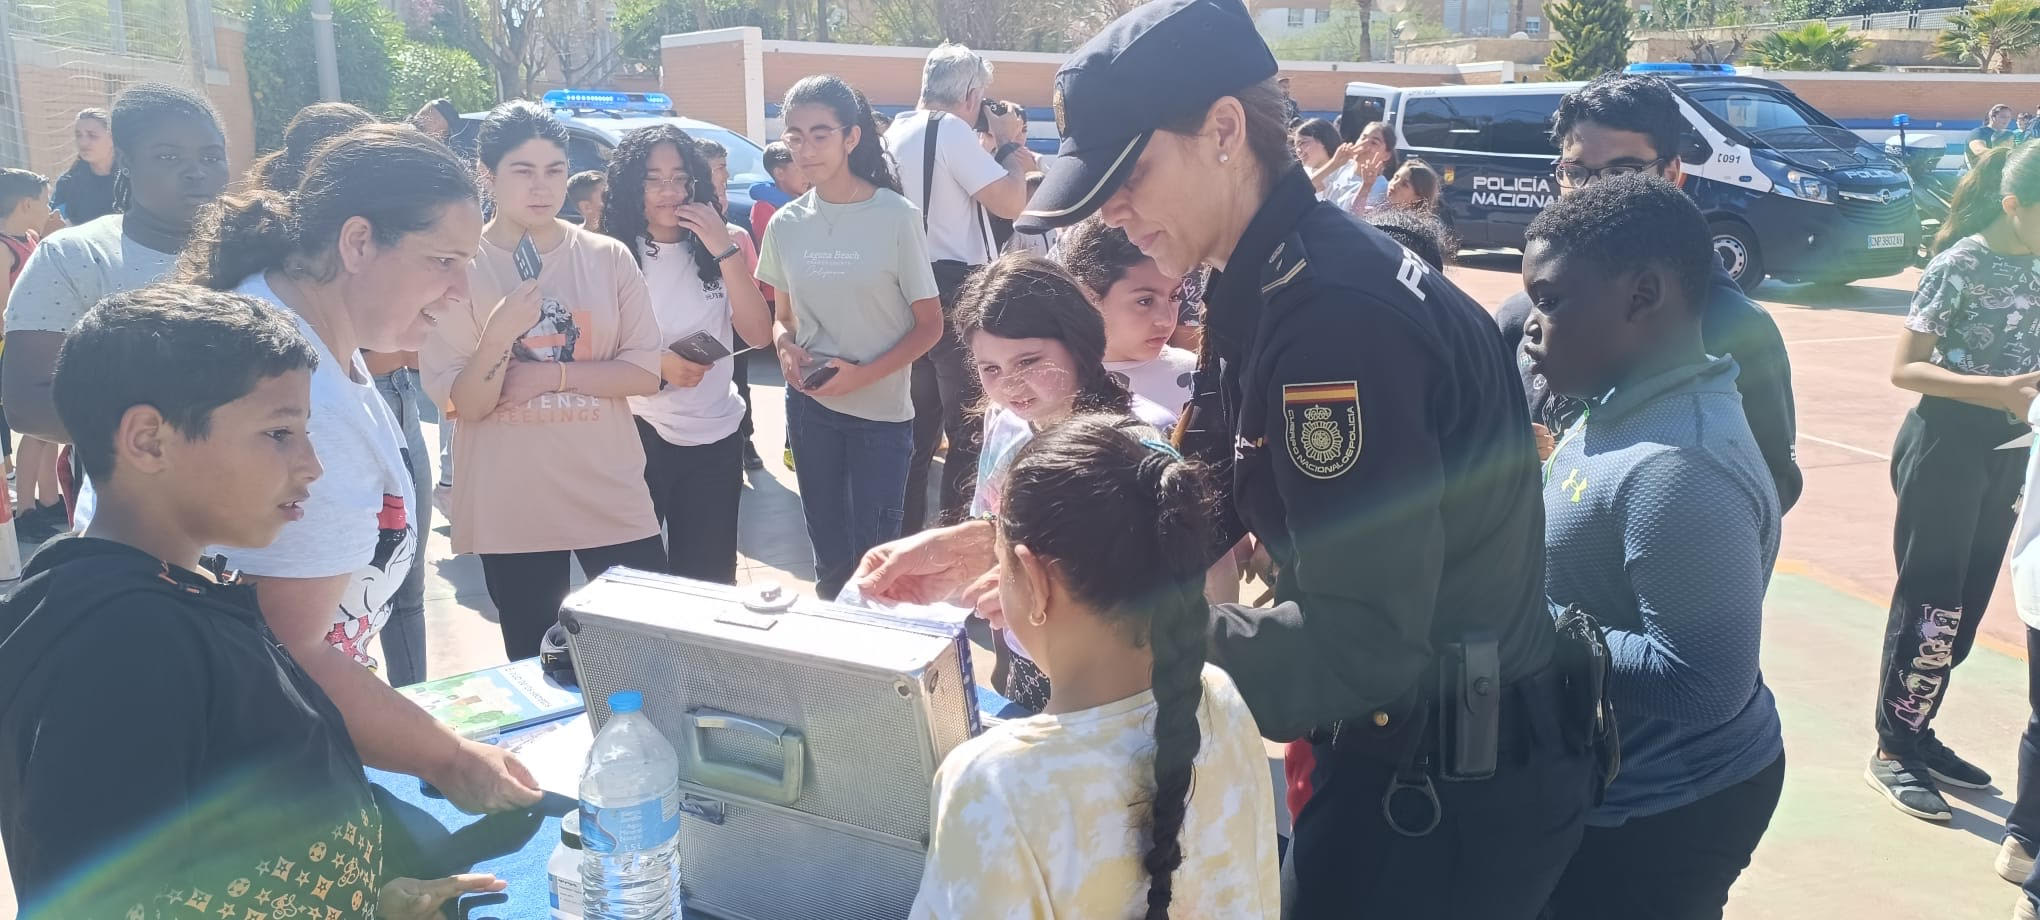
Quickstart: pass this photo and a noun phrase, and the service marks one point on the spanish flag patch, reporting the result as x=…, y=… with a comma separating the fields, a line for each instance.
x=1321, y=425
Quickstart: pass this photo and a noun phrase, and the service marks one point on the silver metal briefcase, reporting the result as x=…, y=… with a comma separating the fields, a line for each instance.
x=808, y=736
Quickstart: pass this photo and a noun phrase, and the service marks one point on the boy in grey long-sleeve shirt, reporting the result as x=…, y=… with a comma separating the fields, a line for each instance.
x=1661, y=520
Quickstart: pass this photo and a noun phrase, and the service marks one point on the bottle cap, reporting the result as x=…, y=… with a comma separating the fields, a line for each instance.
x=623, y=701
x=570, y=829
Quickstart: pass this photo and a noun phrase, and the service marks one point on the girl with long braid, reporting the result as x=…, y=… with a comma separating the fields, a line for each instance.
x=1143, y=784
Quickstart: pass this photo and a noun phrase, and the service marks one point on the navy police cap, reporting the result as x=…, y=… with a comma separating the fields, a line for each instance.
x=1162, y=61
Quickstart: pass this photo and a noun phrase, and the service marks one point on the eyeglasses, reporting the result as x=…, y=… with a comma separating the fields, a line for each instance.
x=820, y=134
x=1573, y=175
x=674, y=184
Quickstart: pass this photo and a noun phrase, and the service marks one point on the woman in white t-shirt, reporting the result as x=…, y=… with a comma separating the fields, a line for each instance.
x=661, y=202
x=1142, y=790
x=1141, y=305
x=379, y=233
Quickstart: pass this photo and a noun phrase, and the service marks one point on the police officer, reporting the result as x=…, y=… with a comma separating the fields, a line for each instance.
x=1372, y=424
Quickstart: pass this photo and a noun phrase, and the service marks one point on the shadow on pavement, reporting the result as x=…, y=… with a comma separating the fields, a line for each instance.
x=1857, y=298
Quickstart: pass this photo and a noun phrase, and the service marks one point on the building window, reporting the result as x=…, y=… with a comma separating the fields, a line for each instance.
x=1533, y=25
x=1296, y=19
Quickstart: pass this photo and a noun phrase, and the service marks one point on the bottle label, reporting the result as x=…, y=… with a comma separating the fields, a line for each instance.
x=643, y=826
x=566, y=897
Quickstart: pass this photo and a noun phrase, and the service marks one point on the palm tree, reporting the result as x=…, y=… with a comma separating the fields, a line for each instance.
x=1990, y=34
x=1813, y=46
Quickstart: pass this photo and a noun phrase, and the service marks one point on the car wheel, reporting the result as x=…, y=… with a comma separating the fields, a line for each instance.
x=1736, y=246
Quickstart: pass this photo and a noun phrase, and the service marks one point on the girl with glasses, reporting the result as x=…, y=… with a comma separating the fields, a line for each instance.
x=661, y=204
x=857, y=304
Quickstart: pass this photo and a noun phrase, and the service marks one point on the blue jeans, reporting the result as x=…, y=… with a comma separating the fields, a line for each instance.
x=852, y=474
x=403, y=639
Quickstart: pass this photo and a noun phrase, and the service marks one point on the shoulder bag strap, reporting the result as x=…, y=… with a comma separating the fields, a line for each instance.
x=928, y=166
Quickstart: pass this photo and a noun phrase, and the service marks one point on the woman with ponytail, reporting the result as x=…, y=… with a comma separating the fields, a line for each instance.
x=377, y=236
x=1971, y=349
x=858, y=304
x=1142, y=790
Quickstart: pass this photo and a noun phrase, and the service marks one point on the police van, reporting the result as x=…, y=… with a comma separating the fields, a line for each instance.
x=597, y=120
x=1788, y=192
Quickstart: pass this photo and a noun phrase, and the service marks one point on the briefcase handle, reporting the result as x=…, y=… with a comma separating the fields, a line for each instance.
x=739, y=779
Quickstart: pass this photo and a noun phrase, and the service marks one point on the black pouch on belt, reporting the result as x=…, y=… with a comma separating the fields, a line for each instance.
x=1469, y=709
x=1582, y=657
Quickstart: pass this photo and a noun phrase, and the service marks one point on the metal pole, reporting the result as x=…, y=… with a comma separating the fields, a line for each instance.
x=13, y=140
x=324, y=51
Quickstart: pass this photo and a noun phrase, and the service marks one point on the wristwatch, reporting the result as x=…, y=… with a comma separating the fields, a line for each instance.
x=724, y=256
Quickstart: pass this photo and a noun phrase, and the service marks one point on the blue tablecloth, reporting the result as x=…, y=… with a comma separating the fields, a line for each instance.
x=424, y=836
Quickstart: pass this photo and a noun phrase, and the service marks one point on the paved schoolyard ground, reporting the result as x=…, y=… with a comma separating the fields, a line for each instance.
x=1835, y=847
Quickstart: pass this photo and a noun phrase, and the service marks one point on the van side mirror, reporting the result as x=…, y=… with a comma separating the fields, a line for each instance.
x=1694, y=149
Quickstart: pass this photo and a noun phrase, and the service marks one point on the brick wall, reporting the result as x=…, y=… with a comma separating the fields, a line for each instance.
x=703, y=73
x=1926, y=97
x=227, y=87
x=58, y=81
x=708, y=74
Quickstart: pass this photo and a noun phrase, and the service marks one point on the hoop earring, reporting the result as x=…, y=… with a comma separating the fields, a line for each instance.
x=1038, y=619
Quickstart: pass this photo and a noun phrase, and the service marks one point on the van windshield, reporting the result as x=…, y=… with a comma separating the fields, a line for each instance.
x=1772, y=119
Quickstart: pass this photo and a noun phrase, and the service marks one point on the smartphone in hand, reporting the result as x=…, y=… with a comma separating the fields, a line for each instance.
x=526, y=257
x=700, y=348
x=817, y=372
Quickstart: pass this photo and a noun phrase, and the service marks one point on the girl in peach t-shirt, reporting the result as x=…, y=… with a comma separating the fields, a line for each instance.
x=547, y=458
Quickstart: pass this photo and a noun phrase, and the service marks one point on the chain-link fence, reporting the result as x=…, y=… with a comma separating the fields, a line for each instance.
x=60, y=56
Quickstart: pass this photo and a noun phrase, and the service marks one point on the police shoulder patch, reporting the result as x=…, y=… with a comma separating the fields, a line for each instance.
x=1321, y=425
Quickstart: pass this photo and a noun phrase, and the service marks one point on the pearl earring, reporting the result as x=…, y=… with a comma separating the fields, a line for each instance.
x=1225, y=157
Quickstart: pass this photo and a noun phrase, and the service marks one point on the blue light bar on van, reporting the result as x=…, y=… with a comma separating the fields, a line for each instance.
x=607, y=101
x=1673, y=67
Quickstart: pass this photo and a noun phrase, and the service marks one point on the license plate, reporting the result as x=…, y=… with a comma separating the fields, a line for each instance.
x=1886, y=240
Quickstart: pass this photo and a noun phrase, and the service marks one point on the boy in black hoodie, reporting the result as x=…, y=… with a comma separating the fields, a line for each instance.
x=160, y=753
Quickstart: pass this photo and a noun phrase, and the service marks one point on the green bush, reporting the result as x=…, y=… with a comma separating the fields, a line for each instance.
x=423, y=72
x=282, y=75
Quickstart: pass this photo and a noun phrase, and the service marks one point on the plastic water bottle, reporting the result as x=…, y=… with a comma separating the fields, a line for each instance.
x=630, y=817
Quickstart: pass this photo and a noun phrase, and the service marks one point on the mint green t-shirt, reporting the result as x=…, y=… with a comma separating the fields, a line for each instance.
x=854, y=272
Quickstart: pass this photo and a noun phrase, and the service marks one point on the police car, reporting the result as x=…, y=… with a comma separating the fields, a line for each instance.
x=597, y=119
x=1788, y=192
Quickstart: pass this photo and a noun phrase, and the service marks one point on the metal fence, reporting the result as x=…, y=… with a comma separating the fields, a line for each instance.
x=1935, y=19
x=60, y=56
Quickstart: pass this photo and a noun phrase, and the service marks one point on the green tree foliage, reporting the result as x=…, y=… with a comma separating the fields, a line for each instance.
x=1590, y=38
x=640, y=23
x=423, y=72
x=1989, y=35
x=1812, y=46
x=1791, y=10
x=281, y=75
x=1696, y=14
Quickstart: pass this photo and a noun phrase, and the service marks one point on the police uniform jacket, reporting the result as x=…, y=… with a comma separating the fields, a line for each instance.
x=1373, y=429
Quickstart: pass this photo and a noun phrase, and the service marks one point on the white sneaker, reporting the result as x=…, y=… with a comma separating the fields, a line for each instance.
x=2022, y=909
x=2014, y=864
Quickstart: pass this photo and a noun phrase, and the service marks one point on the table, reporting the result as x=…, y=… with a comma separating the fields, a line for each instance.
x=424, y=836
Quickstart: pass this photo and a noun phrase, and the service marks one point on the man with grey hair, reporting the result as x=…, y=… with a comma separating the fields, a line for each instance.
x=959, y=187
